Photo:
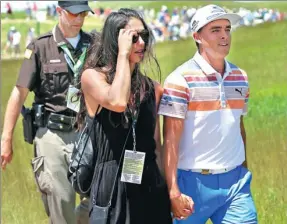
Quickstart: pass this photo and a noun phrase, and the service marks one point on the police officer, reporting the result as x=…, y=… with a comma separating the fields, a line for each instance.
x=51, y=70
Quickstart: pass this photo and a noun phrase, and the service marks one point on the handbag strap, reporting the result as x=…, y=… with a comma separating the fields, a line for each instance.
x=115, y=180
x=135, y=115
x=90, y=131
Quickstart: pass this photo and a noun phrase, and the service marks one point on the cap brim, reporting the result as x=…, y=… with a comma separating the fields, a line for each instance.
x=75, y=9
x=232, y=17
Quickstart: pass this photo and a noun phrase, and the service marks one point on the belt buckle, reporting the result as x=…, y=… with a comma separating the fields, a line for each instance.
x=205, y=171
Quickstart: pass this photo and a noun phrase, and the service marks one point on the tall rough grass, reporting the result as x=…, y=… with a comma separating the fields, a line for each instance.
x=261, y=52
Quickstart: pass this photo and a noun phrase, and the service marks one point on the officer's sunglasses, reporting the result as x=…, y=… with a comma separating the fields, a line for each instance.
x=144, y=34
x=74, y=16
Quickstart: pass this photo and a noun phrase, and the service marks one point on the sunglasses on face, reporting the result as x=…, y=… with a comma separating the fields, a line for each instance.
x=144, y=34
x=74, y=16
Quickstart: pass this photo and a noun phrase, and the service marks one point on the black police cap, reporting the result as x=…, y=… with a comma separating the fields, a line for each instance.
x=75, y=7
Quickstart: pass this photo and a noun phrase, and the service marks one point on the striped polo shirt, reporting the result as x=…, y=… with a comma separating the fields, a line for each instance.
x=211, y=106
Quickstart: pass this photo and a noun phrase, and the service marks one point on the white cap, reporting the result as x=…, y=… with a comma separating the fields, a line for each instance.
x=211, y=13
x=163, y=7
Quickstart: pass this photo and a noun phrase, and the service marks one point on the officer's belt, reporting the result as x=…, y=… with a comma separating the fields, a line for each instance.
x=60, y=122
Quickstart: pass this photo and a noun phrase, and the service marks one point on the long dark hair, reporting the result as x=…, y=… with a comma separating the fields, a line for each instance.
x=102, y=54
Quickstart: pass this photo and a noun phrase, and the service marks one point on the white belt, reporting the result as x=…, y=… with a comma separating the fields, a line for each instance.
x=211, y=171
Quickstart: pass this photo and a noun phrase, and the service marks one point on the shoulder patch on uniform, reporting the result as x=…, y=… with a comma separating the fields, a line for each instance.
x=28, y=53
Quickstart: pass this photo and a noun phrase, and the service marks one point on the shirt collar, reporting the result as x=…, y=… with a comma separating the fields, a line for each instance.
x=207, y=68
x=59, y=37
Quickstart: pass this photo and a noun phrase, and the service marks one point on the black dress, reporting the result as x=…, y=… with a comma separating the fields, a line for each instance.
x=144, y=203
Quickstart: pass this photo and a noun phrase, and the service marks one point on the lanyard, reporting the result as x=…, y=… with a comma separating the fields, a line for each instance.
x=75, y=66
x=134, y=115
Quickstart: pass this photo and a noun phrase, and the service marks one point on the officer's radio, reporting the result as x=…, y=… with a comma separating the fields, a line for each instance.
x=39, y=114
x=29, y=129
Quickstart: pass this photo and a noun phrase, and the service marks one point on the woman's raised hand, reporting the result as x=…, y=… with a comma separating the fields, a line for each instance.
x=125, y=41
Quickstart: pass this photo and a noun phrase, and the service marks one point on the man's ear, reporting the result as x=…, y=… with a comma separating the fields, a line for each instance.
x=59, y=10
x=196, y=37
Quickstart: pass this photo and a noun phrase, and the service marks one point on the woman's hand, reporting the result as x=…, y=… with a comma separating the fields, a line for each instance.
x=125, y=41
x=182, y=206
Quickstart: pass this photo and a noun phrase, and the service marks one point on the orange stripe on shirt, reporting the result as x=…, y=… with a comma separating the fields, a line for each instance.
x=176, y=87
x=193, y=72
x=204, y=105
x=235, y=104
x=214, y=105
x=236, y=72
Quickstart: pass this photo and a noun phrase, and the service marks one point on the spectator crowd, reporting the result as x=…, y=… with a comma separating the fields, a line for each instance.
x=174, y=24
x=166, y=24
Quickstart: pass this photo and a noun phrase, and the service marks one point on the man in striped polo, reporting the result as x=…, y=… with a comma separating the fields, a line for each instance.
x=203, y=104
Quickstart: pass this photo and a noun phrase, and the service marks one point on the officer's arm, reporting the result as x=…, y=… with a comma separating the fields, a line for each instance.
x=172, y=131
x=113, y=96
x=243, y=134
x=14, y=106
x=25, y=83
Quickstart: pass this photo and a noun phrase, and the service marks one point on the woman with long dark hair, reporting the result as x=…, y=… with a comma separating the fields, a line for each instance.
x=123, y=101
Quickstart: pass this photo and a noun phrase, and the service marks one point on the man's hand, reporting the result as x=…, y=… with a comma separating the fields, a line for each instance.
x=182, y=206
x=6, y=151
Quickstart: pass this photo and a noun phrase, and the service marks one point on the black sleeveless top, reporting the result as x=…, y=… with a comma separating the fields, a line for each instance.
x=110, y=132
x=131, y=203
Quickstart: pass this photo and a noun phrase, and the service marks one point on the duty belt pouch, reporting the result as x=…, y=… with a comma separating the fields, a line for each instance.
x=29, y=130
x=60, y=122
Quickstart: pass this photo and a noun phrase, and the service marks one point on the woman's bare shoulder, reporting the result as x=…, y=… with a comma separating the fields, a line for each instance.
x=91, y=73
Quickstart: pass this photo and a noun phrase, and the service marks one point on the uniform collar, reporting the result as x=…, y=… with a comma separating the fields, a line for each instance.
x=59, y=37
x=207, y=68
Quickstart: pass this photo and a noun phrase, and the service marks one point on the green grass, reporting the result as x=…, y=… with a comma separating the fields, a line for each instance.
x=16, y=15
x=171, y=4
x=22, y=25
x=261, y=51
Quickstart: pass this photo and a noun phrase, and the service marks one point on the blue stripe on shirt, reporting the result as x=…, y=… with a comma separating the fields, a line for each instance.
x=241, y=84
x=202, y=84
x=173, y=99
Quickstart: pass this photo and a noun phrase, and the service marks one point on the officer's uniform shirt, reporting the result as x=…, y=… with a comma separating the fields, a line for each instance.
x=46, y=72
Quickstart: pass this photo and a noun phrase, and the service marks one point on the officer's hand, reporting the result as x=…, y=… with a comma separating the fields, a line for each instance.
x=182, y=206
x=6, y=151
x=125, y=41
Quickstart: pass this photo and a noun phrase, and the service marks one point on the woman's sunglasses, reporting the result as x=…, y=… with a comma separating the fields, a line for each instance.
x=74, y=16
x=144, y=34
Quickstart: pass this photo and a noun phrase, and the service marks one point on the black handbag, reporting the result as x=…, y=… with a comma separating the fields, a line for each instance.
x=81, y=167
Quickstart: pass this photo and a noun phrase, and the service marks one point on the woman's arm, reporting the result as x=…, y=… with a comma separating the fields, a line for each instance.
x=157, y=134
x=113, y=96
